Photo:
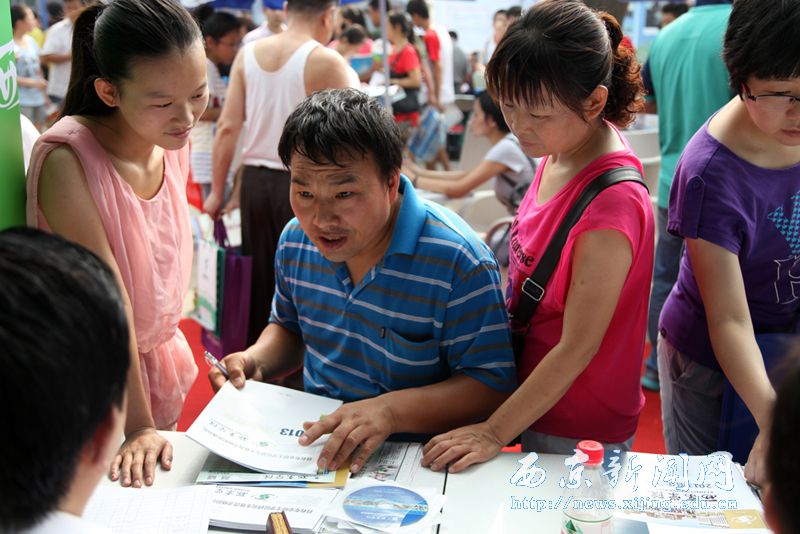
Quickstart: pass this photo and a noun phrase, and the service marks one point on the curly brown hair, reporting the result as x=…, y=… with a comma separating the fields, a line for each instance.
x=562, y=49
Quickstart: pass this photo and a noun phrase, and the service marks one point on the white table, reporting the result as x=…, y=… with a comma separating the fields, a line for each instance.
x=479, y=499
x=483, y=498
x=189, y=457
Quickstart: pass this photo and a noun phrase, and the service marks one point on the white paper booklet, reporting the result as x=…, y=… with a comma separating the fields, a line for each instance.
x=686, y=491
x=258, y=426
x=247, y=507
x=217, y=470
x=149, y=510
x=393, y=461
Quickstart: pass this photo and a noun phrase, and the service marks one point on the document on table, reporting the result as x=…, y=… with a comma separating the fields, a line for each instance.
x=671, y=491
x=148, y=510
x=393, y=461
x=258, y=426
x=247, y=507
x=218, y=470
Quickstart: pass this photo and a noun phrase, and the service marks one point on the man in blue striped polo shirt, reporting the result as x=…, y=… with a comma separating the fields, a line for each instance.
x=389, y=303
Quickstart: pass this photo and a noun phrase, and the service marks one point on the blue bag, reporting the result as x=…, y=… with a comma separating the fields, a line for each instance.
x=430, y=135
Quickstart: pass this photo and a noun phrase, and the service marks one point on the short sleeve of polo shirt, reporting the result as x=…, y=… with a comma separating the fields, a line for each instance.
x=283, y=311
x=475, y=338
x=431, y=41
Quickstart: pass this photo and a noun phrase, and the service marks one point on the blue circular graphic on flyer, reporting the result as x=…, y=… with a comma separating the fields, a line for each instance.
x=385, y=506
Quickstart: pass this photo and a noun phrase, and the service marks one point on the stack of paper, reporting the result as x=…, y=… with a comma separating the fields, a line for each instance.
x=218, y=470
x=259, y=425
x=247, y=508
x=369, y=506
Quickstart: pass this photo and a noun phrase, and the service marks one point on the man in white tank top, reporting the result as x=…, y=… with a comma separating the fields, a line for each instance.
x=269, y=78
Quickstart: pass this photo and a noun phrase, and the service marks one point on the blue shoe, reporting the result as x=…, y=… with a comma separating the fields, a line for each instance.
x=650, y=380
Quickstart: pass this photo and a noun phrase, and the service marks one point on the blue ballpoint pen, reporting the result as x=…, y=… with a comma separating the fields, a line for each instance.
x=213, y=362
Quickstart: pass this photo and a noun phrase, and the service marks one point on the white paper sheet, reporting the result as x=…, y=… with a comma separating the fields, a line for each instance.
x=259, y=425
x=150, y=510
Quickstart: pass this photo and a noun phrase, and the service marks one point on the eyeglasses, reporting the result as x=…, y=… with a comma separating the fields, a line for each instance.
x=772, y=101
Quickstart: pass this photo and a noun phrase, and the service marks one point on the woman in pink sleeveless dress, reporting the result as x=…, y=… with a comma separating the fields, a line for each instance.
x=111, y=175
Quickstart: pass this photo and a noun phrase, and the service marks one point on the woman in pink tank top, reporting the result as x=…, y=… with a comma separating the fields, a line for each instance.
x=111, y=175
x=564, y=82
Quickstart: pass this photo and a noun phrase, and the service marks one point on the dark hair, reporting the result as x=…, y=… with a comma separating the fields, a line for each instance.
x=64, y=356
x=418, y=7
x=354, y=35
x=18, y=12
x=337, y=124
x=514, y=12
x=782, y=466
x=453, y=35
x=561, y=49
x=401, y=20
x=55, y=12
x=674, y=9
x=108, y=37
x=219, y=24
x=310, y=7
x=762, y=41
x=490, y=108
x=354, y=15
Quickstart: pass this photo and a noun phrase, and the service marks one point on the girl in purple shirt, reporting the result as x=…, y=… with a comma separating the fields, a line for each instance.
x=736, y=202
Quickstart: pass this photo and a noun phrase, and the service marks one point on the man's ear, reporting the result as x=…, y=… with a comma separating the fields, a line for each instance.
x=595, y=103
x=105, y=441
x=107, y=92
x=329, y=17
x=393, y=184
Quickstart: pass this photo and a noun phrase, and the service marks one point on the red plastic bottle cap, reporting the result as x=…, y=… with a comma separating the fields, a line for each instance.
x=593, y=450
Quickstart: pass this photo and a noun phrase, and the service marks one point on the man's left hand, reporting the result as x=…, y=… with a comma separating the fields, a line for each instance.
x=361, y=425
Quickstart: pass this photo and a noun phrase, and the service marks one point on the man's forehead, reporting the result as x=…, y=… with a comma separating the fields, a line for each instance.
x=344, y=163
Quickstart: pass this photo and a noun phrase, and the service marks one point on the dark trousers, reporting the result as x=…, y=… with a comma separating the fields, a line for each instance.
x=265, y=211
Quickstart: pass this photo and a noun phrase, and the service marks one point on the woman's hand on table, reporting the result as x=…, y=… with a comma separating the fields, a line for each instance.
x=461, y=448
x=755, y=470
x=135, y=463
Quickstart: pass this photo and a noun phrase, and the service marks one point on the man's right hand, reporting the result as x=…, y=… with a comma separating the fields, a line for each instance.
x=240, y=366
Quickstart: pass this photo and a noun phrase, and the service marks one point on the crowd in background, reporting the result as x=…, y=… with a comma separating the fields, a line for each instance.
x=729, y=176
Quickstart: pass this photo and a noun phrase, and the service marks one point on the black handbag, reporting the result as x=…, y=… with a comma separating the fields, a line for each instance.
x=532, y=289
x=410, y=102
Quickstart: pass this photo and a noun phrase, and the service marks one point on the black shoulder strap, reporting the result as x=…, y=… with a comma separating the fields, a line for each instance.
x=533, y=287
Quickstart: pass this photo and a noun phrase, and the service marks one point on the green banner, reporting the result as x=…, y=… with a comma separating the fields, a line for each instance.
x=12, y=173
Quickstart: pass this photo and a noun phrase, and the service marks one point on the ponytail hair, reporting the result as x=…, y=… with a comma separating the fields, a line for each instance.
x=626, y=90
x=109, y=36
x=562, y=50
